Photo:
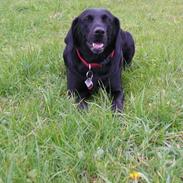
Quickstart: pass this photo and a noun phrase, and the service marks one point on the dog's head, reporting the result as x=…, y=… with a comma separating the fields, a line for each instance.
x=94, y=29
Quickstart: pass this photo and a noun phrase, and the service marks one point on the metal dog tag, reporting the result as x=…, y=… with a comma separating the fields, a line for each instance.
x=89, y=83
x=89, y=76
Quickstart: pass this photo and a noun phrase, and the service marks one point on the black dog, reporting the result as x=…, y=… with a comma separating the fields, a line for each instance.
x=96, y=49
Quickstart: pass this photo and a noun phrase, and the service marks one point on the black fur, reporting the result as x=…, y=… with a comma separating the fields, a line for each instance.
x=97, y=26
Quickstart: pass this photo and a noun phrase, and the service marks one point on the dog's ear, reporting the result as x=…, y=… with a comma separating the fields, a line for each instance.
x=117, y=34
x=70, y=38
x=116, y=23
x=116, y=27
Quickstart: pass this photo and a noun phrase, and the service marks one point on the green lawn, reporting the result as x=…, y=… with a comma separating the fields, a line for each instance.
x=44, y=138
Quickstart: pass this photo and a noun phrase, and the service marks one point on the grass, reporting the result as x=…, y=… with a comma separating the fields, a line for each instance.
x=43, y=137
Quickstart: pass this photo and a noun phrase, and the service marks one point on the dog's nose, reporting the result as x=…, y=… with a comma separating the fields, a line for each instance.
x=99, y=30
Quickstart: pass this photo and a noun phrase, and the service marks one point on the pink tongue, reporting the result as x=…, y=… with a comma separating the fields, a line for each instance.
x=97, y=45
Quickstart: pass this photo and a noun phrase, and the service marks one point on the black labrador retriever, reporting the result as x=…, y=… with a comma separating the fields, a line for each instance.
x=96, y=50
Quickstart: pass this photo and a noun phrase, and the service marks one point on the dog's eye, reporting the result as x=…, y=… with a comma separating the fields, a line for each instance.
x=89, y=18
x=104, y=17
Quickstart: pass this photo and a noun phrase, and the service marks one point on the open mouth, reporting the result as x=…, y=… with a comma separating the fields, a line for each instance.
x=98, y=45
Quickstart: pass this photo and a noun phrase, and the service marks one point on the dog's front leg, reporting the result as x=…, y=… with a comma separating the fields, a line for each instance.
x=77, y=89
x=80, y=100
x=117, y=92
x=118, y=99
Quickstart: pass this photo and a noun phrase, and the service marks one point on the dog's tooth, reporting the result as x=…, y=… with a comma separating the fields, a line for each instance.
x=97, y=45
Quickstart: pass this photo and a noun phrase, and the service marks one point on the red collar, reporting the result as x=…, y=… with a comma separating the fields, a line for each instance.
x=91, y=65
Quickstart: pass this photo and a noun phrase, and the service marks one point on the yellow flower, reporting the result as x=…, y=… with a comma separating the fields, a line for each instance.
x=135, y=176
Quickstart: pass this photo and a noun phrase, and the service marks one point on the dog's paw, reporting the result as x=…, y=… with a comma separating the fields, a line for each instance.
x=82, y=105
x=117, y=106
